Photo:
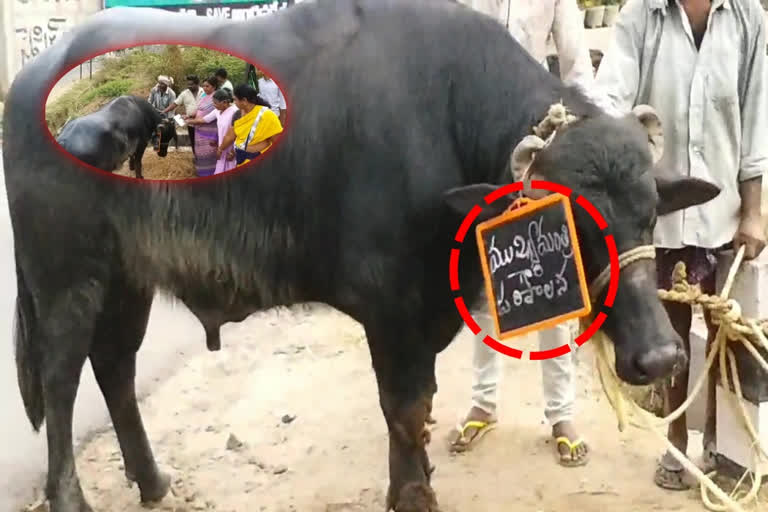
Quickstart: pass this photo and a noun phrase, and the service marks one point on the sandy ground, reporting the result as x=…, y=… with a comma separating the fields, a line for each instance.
x=177, y=165
x=296, y=390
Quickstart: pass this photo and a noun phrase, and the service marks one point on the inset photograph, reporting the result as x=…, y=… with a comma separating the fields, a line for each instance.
x=166, y=112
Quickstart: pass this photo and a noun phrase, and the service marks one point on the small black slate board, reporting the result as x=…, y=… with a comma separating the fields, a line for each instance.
x=532, y=265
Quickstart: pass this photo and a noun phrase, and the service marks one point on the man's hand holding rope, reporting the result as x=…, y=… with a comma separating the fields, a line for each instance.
x=751, y=232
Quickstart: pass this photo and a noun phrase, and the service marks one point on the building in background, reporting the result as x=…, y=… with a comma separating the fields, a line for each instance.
x=27, y=27
x=230, y=9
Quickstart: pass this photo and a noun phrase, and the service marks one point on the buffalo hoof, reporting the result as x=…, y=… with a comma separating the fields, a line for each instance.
x=80, y=505
x=426, y=435
x=413, y=497
x=155, y=489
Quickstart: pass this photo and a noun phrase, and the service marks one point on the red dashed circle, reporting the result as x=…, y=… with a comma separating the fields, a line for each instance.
x=612, y=285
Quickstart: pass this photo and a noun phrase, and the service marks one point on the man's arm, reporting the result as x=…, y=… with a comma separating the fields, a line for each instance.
x=175, y=102
x=754, y=157
x=571, y=44
x=618, y=77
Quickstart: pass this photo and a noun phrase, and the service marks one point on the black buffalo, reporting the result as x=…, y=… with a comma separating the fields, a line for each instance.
x=166, y=132
x=118, y=131
x=356, y=206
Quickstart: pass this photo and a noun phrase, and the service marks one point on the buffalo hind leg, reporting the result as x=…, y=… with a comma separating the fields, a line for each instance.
x=65, y=334
x=119, y=333
x=405, y=372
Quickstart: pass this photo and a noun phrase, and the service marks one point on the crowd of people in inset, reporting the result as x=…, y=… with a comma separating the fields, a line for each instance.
x=228, y=126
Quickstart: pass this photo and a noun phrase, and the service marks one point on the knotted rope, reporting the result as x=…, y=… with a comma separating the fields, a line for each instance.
x=543, y=133
x=557, y=117
x=732, y=326
x=643, y=252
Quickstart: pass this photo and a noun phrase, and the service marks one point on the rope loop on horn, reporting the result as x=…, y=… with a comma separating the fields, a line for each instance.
x=557, y=117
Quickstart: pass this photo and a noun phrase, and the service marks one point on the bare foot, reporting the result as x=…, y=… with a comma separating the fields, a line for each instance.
x=476, y=424
x=572, y=450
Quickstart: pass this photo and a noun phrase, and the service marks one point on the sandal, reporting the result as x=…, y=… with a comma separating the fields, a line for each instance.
x=462, y=443
x=571, y=459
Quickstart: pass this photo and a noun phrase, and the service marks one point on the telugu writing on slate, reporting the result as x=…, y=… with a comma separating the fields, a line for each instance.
x=519, y=271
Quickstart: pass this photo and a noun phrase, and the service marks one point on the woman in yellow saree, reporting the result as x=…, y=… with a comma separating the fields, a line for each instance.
x=253, y=129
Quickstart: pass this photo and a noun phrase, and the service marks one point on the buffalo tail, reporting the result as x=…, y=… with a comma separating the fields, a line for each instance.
x=28, y=361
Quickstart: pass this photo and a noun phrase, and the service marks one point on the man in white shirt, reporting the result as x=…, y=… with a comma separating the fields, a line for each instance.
x=714, y=109
x=532, y=22
x=272, y=94
x=189, y=98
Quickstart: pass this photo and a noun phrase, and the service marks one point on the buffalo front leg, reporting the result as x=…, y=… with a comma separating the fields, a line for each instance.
x=136, y=158
x=405, y=372
x=119, y=333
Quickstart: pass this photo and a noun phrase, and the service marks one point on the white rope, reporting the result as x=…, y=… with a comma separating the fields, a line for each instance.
x=642, y=252
x=726, y=320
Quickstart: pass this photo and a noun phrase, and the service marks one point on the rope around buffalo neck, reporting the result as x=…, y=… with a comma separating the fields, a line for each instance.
x=642, y=252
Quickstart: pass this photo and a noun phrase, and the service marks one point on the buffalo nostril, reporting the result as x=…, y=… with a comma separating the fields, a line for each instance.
x=661, y=362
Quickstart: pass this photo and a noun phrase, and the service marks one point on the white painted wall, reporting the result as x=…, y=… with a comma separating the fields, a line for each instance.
x=29, y=26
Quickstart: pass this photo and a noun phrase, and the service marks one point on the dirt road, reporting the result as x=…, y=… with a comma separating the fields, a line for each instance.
x=296, y=389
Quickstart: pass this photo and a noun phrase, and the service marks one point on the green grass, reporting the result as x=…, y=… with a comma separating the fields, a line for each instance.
x=110, y=89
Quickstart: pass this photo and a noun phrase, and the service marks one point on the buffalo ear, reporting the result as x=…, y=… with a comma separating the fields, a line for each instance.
x=678, y=194
x=462, y=199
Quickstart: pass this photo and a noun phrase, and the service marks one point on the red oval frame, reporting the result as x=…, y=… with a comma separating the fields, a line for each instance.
x=200, y=179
